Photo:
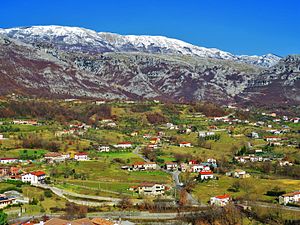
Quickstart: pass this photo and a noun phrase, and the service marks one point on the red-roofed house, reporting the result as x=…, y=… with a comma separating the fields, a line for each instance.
x=293, y=198
x=35, y=177
x=193, y=162
x=81, y=156
x=220, y=200
x=185, y=144
x=204, y=175
x=8, y=160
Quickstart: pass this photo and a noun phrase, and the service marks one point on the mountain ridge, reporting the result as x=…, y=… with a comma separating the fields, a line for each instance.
x=43, y=69
x=81, y=39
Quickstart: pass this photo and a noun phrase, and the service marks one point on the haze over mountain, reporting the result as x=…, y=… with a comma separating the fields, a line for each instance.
x=76, y=62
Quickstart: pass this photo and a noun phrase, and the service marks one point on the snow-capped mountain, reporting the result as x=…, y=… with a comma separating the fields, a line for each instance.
x=85, y=40
x=42, y=70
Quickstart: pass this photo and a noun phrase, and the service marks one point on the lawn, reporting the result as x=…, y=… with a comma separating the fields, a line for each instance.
x=105, y=174
x=250, y=187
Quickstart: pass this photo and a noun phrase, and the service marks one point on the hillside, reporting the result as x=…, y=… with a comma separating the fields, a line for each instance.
x=103, y=66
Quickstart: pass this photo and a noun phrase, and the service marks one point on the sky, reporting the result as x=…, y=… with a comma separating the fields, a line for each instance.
x=237, y=26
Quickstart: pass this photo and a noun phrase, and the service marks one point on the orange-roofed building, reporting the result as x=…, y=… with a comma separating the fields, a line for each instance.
x=220, y=200
x=36, y=177
x=205, y=175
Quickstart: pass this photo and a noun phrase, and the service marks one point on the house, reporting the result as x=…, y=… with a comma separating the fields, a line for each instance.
x=183, y=167
x=295, y=120
x=111, y=124
x=53, y=157
x=293, y=197
x=152, y=146
x=254, y=135
x=185, y=144
x=193, y=162
x=99, y=102
x=196, y=168
x=171, y=126
x=144, y=166
x=160, y=133
x=205, y=175
x=238, y=173
x=64, y=132
x=155, y=140
x=272, y=138
x=4, y=171
x=211, y=161
x=103, y=148
x=285, y=163
x=81, y=156
x=171, y=166
x=203, y=134
x=8, y=160
x=134, y=134
x=2, y=137
x=123, y=145
x=14, y=171
x=36, y=177
x=5, y=201
x=26, y=122
x=185, y=131
x=146, y=136
x=220, y=200
x=152, y=189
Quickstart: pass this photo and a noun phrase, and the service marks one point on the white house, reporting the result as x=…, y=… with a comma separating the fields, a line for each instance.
x=254, y=135
x=99, y=102
x=144, y=166
x=171, y=126
x=220, y=200
x=103, y=148
x=285, y=163
x=211, y=161
x=81, y=156
x=273, y=138
x=295, y=120
x=1, y=137
x=196, y=168
x=293, y=197
x=34, y=177
x=206, y=133
x=171, y=166
x=52, y=157
x=5, y=201
x=238, y=173
x=204, y=175
x=152, y=189
x=8, y=160
x=185, y=144
x=123, y=145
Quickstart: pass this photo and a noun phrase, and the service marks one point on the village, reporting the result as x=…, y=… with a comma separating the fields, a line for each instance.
x=148, y=152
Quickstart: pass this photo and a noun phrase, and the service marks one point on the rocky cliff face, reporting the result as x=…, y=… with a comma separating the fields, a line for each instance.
x=46, y=70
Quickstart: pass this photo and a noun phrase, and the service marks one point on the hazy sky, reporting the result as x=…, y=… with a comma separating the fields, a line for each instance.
x=237, y=26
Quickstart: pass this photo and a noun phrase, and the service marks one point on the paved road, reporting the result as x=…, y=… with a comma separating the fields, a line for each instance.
x=192, y=201
x=71, y=195
x=136, y=151
x=144, y=215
